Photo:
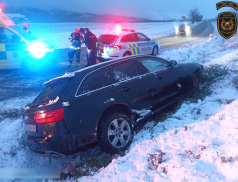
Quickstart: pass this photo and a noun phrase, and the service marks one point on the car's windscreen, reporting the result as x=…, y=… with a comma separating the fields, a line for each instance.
x=182, y=26
x=26, y=35
x=52, y=91
x=107, y=39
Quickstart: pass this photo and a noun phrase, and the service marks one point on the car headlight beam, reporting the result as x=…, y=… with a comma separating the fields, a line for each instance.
x=38, y=50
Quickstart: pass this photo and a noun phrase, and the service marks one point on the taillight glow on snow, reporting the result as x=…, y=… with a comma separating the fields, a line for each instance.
x=50, y=116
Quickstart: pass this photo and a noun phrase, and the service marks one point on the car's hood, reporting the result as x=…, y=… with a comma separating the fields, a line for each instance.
x=41, y=41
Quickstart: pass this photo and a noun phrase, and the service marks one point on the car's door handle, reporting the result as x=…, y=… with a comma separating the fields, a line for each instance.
x=159, y=77
x=125, y=89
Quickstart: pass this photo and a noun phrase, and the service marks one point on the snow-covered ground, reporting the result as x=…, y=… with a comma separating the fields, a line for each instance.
x=197, y=143
x=58, y=33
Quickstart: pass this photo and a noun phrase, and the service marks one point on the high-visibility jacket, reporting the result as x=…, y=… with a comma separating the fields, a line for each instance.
x=75, y=40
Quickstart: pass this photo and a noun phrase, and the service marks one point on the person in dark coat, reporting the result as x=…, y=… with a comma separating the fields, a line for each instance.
x=90, y=41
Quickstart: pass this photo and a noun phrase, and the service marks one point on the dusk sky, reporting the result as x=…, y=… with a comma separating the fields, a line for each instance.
x=153, y=9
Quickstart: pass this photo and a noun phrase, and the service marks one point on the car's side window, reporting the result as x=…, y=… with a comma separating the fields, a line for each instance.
x=94, y=81
x=142, y=37
x=133, y=37
x=6, y=36
x=153, y=64
x=125, y=38
x=125, y=71
x=130, y=38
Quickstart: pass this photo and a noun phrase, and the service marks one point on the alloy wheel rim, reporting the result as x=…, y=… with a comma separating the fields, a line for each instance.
x=119, y=132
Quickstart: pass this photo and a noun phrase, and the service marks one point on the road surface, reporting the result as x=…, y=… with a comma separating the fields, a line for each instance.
x=199, y=33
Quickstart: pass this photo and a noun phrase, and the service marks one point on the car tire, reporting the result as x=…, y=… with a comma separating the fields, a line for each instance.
x=126, y=54
x=196, y=80
x=115, y=133
x=155, y=51
x=30, y=66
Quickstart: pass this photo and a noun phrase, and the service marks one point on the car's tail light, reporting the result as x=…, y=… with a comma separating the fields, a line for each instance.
x=116, y=46
x=50, y=116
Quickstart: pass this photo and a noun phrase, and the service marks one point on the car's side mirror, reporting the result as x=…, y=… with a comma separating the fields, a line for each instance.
x=173, y=63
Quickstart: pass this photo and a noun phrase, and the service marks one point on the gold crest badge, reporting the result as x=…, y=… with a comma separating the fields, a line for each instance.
x=227, y=21
x=227, y=24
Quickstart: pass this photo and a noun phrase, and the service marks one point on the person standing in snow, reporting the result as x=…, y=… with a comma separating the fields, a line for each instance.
x=75, y=40
x=90, y=41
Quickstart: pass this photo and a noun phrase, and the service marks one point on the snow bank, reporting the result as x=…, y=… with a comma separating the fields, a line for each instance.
x=197, y=143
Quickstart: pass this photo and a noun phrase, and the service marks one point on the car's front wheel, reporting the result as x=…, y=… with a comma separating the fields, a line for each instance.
x=115, y=133
x=155, y=51
x=31, y=66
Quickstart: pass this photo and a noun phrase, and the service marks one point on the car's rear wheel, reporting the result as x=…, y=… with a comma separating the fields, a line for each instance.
x=126, y=54
x=115, y=133
x=155, y=51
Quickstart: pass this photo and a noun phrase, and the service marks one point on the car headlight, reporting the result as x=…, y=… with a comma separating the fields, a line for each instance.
x=38, y=50
x=187, y=29
x=176, y=30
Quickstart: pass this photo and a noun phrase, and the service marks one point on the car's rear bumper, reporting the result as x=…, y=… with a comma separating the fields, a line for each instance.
x=38, y=146
x=47, y=147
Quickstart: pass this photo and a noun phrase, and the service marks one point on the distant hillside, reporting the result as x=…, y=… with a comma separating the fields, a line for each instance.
x=34, y=15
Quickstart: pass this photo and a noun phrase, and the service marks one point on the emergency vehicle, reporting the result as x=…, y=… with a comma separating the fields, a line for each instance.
x=125, y=42
x=19, y=49
x=183, y=29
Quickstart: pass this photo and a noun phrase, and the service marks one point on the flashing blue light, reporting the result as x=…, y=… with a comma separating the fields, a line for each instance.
x=38, y=50
x=105, y=55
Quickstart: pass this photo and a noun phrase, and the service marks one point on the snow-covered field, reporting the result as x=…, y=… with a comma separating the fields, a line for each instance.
x=197, y=143
x=58, y=33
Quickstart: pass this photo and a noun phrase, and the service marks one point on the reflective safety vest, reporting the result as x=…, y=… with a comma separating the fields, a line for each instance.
x=75, y=40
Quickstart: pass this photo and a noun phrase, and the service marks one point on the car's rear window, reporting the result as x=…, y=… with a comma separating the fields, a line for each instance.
x=107, y=39
x=52, y=92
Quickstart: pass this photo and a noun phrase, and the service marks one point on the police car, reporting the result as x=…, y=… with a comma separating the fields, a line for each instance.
x=19, y=49
x=125, y=42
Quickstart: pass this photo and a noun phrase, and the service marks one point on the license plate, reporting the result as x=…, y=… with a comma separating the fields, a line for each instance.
x=30, y=127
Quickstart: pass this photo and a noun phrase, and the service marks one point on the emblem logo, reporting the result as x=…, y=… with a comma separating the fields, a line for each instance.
x=227, y=24
x=227, y=21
